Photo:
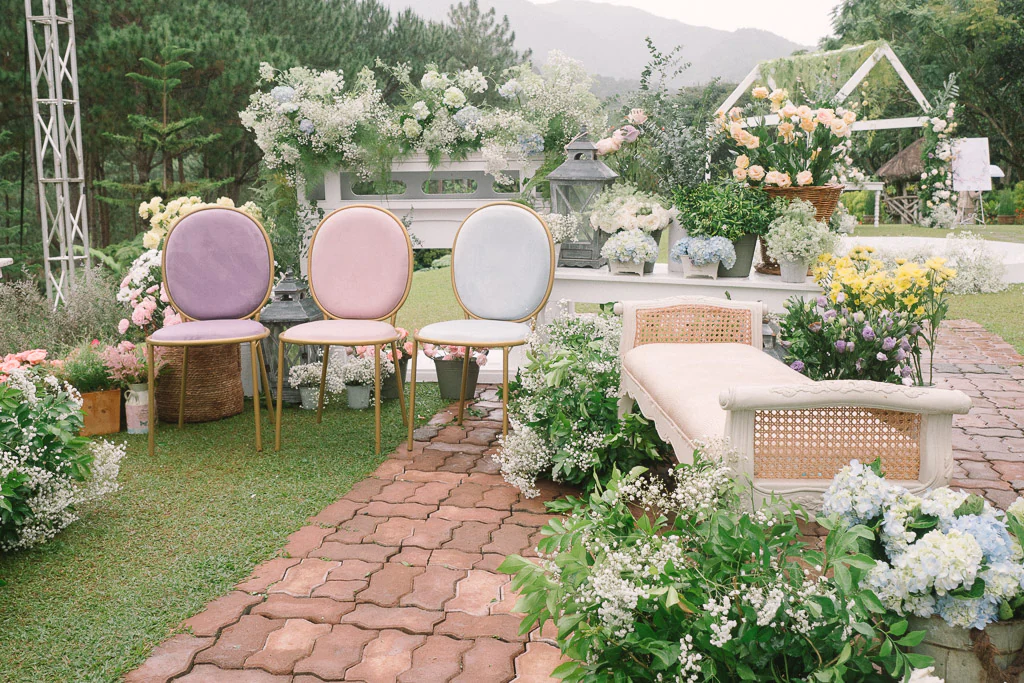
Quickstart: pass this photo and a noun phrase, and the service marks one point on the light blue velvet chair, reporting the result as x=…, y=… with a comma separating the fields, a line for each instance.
x=503, y=266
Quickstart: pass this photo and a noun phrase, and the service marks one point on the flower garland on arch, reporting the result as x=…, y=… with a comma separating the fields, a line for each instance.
x=935, y=191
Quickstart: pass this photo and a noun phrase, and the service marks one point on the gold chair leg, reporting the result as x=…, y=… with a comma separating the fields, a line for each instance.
x=398, y=380
x=280, y=394
x=266, y=382
x=152, y=398
x=253, y=356
x=323, y=384
x=181, y=389
x=504, y=391
x=462, y=387
x=376, y=395
x=412, y=393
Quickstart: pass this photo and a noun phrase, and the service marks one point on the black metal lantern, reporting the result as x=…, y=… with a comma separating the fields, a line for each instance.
x=289, y=306
x=574, y=187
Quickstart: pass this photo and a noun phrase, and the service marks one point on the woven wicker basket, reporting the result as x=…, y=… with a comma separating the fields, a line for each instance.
x=825, y=199
x=214, y=384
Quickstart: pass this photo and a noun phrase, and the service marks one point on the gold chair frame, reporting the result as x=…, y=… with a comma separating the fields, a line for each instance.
x=505, y=348
x=377, y=344
x=256, y=350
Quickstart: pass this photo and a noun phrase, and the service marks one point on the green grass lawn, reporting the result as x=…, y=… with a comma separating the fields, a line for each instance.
x=1000, y=233
x=186, y=526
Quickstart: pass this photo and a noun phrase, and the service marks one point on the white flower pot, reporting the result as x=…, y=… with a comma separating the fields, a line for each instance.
x=708, y=270
x=358, y=396
x=794, y=272
x=626, y=268
x=309, y=396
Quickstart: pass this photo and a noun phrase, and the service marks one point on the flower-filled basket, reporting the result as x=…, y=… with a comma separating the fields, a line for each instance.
x=700, y=256
x=629, y=251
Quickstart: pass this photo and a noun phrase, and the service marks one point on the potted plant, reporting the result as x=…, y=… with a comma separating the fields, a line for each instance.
x=358, y=375
x=796, y=239
x=306, y=378
x=1006, y=208
x=625, y=208
x=701, y=256
x=946, y=561
x=739, y=214
x=448, y=365
x=84, y=369
x=563, y=227
x=127, y=365
x=630, y=251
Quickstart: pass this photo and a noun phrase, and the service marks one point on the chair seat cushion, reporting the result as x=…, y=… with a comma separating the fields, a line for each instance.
x=346, y=332
x=210, y=330
x=685, y=380
x=470, y=332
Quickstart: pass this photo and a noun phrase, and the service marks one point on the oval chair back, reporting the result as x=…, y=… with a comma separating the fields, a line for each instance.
x=217, y=265
x=360, y=263
x=503, y=263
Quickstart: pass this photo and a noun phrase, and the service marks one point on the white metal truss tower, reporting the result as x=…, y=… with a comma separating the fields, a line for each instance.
x=60, y=165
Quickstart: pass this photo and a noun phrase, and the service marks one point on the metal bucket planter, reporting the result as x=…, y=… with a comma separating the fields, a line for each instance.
x=963, y=655
x=388, y=389
x=102, y=412
x=745, y=248
x=358, y=396
x=449, y=378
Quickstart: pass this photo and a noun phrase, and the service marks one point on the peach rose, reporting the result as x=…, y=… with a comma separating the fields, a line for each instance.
x=742, y=161
x=35, y=356
x=759, y=93
x=756, y=173
x=740, y=174
x=636, y=116
x=804, y=178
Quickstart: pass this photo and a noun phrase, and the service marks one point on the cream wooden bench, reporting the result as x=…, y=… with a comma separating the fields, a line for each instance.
x=695, y=367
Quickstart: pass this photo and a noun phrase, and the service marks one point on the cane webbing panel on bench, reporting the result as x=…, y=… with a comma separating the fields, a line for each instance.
x=817, y=443
x=692, y=324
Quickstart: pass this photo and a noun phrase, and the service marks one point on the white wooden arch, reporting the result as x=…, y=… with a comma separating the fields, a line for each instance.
x=882, y=52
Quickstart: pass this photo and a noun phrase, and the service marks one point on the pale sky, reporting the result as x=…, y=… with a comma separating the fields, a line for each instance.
x=804, y=22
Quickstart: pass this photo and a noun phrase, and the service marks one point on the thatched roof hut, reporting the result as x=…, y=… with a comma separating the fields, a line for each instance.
x=907, y=165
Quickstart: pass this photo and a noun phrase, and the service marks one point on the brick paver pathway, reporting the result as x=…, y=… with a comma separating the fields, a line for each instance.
x=396, y=581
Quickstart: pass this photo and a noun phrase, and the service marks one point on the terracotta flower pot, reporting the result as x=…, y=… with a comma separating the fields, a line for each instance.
x=102, y=412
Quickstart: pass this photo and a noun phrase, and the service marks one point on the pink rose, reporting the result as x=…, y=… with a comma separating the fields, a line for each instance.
x=637, y=117
x=35, y=356
x=122, y=326
x=607, y=145
x=804, y=178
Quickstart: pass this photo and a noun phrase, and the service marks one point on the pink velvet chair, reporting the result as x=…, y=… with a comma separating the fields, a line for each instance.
x=218, y=268
x=360, y=272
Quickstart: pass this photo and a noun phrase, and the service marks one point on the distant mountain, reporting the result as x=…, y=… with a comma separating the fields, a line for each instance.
x=609, y=39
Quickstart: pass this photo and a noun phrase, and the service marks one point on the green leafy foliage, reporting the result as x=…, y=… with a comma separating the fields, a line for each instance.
x=645, y=584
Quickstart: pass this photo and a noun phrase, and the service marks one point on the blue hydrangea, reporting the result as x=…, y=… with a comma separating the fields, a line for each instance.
x=283, y=93
x=704, y=251
x=990, y=533
x=531, y=144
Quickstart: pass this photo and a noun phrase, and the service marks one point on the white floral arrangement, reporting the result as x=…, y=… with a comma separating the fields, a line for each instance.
x=797, y=236
x=703, y=251
x=563, y=226
x=311, y=116
x=623, y=207
x=945, y=552
x=360, y=370
x=630, y=246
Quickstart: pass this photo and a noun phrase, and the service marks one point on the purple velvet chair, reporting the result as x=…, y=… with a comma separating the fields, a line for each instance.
x=218, y=268
x=360, y=272
x=503, y=266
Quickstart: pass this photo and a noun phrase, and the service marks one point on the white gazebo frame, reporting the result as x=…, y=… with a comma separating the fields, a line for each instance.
x=882, y=52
